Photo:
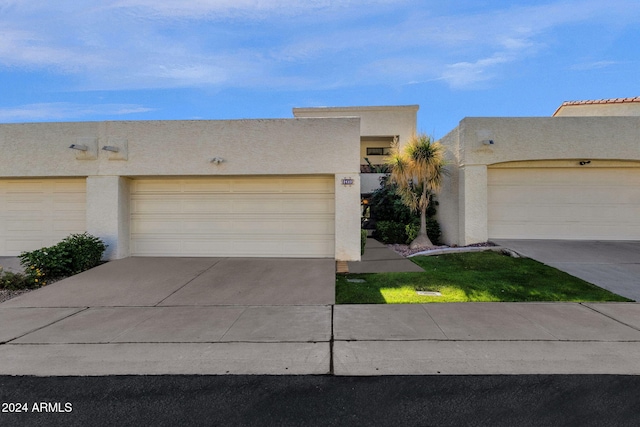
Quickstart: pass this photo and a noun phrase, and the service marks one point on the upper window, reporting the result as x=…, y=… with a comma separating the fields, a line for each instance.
x=378, y=151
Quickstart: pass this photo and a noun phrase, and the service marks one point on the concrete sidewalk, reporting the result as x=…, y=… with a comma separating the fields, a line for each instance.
x=487, y=338
x=430, y=339
x=200, y=316
x=378, y=258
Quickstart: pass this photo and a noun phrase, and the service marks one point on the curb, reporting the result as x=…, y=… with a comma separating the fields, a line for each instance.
x=470, y=249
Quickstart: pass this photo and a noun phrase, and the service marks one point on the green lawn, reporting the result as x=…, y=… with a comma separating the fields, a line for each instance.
x=465, y=277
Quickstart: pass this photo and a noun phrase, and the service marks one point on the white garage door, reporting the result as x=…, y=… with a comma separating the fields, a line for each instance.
x=39, y=212
x=564, y=203
x=253, y=217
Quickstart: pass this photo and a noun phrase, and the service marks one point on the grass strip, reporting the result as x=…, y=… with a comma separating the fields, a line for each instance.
x=470, y=277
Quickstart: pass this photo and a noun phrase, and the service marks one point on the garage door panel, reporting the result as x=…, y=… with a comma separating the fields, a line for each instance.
x=13, y=247
x=232, y=246
x=309, y=186
x=176, y=205
x=40, y=212
x=68, y=225
x=509, y=194
x=28, y=226
x=254, y=217
x=561, y=213
x=553, y=203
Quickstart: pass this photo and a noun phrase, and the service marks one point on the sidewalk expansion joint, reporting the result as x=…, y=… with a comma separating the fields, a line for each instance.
x=167, y=342
x=182, y=287
x=610, y=317
x=331, y=342
x=81, y=309
x=435, y=340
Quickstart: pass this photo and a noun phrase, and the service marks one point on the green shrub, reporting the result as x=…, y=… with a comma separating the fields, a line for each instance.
x=363, y=241
x=85, y=251
x=433, y=231
x=412, y=230
x=386, y=206
x=43, y=265
x=390, y=232
x=74, y=254
x=14, y=281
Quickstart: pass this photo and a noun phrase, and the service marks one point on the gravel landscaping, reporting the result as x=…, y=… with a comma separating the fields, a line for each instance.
x=405, y=251
x=7, y=294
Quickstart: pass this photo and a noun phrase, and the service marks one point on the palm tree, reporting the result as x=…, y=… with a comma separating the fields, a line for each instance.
x=417, y=169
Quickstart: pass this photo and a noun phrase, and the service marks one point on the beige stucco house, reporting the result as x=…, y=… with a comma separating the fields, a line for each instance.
x=380, y=126
x=600, y=107
x=271, y=188
x=292, y=187
x=575, y=175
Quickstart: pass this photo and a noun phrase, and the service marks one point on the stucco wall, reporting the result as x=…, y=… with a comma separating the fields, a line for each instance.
x=612, y=109
x=302, y=146
x=447, y=213
x=375, y=121
x=249, y=147
x=463, y=200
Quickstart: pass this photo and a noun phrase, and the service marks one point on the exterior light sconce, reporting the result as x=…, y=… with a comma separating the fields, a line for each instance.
x=585, y=162
x=111, y=148
x=217, y=160
x=85, y=148
x=488, y=142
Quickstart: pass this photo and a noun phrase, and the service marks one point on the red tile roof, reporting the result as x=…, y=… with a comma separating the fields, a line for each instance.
x=599, y=101
x=603, y=101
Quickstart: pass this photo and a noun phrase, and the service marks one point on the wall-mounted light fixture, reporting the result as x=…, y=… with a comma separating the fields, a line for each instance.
x=487, y=142
x=80, y=147
x=585, y=162
x=111, y=148
x=217, y=160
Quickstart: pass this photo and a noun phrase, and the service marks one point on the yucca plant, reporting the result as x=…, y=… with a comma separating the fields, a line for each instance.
x=417, y=169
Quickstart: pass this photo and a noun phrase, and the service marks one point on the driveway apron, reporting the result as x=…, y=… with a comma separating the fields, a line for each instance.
x=175, y=315
x=612, y=265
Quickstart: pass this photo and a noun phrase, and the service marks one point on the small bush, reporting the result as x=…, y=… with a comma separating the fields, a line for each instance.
x=85, y=251
x=412, y=230
x=363, y=241
x=74, y=254
x=14, y=281
x=390, y=232
x=433, y=231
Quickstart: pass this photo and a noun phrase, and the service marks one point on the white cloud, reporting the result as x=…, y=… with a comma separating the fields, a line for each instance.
x=466, y=74
x=138, y=44
x=254, y=9
x=64, y=110
x=596, y=65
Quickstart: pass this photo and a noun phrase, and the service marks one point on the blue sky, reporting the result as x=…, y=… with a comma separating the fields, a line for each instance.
x=231, y=59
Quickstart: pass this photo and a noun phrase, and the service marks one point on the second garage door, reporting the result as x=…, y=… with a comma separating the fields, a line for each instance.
x=240, y=216
x=583, y=203
x=35, y=213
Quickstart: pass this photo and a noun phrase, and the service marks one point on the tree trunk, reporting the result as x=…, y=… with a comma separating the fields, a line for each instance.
x=422, y=239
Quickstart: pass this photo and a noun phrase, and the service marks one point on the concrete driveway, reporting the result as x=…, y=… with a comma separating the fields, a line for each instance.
x=181, y=315
x=164, y=281
x=612, y=265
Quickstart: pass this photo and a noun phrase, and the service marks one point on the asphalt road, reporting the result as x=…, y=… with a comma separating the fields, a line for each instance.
x=525, y=400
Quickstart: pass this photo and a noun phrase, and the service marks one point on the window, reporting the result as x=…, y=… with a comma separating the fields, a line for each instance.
x=378, y=151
